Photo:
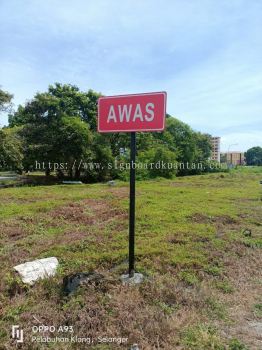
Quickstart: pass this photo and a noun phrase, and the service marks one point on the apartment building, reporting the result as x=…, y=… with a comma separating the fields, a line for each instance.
x=234, y=158
x=215, y=142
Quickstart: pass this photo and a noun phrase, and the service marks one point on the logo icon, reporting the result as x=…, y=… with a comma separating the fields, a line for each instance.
x=17, y=334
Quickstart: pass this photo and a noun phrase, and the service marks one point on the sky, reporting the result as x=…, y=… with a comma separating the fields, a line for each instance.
x=206, y=54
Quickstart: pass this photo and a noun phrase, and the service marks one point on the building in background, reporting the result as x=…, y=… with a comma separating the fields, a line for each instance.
x=233, y=158
x=215, y=142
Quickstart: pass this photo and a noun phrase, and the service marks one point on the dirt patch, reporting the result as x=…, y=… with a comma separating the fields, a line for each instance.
x=200, y=218
x=218, y=220
x=246, y=279
x=176, y=241
x=69, y=237
x=87, y=212
x=224, y=220
x=12, y=231
x=44, y=243
x=201, y=239
x=74, y=212
x=222, y=223
x=15, y=256
x=120, y=192
x=72, y=236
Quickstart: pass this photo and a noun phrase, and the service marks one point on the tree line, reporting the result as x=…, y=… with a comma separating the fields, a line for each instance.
x=60, y=126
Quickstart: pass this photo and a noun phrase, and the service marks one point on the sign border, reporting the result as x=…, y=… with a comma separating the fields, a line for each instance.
x=132, y=130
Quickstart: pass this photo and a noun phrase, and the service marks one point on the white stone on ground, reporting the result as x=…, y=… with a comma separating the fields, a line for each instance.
x=257, y=326
x=136, y=279
x=34, y=270
x=111, y=183
x=134, y=347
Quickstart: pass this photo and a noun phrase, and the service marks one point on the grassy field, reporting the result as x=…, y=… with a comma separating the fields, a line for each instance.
x=203, y=273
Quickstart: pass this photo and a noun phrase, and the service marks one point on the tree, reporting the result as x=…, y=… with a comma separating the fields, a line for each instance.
x=58, y=101
x=254, y=156
x=163, y=161
x=11, y=150
x=56, y=127
x=191, y=147
x=5, y=101
x=102, y=162
x=59, y=126
x=183, y=139
x=157, y=161
x=63, y=143
x=73, y=144
x=204, y=147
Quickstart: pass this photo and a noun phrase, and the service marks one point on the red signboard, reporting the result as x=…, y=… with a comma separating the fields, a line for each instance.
x=129, y=113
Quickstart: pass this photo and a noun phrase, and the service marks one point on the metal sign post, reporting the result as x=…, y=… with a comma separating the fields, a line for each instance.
x=132, y=205
x=132, y=113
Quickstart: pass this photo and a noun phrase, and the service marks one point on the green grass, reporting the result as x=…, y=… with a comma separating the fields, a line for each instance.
x=186, y=229
x=202, y=337
x=235, y=344
x=224, y=286
x=258, y=310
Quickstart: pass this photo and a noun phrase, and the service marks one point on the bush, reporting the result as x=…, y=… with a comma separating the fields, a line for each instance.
x=237, y=345
x=160, y=162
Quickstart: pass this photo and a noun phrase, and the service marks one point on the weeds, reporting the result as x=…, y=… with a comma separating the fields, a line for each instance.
x=189, y=244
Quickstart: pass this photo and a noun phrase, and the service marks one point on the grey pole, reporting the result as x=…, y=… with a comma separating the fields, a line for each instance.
x=132, y=205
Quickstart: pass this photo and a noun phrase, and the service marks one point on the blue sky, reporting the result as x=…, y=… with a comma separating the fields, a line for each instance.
x=206, y=54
